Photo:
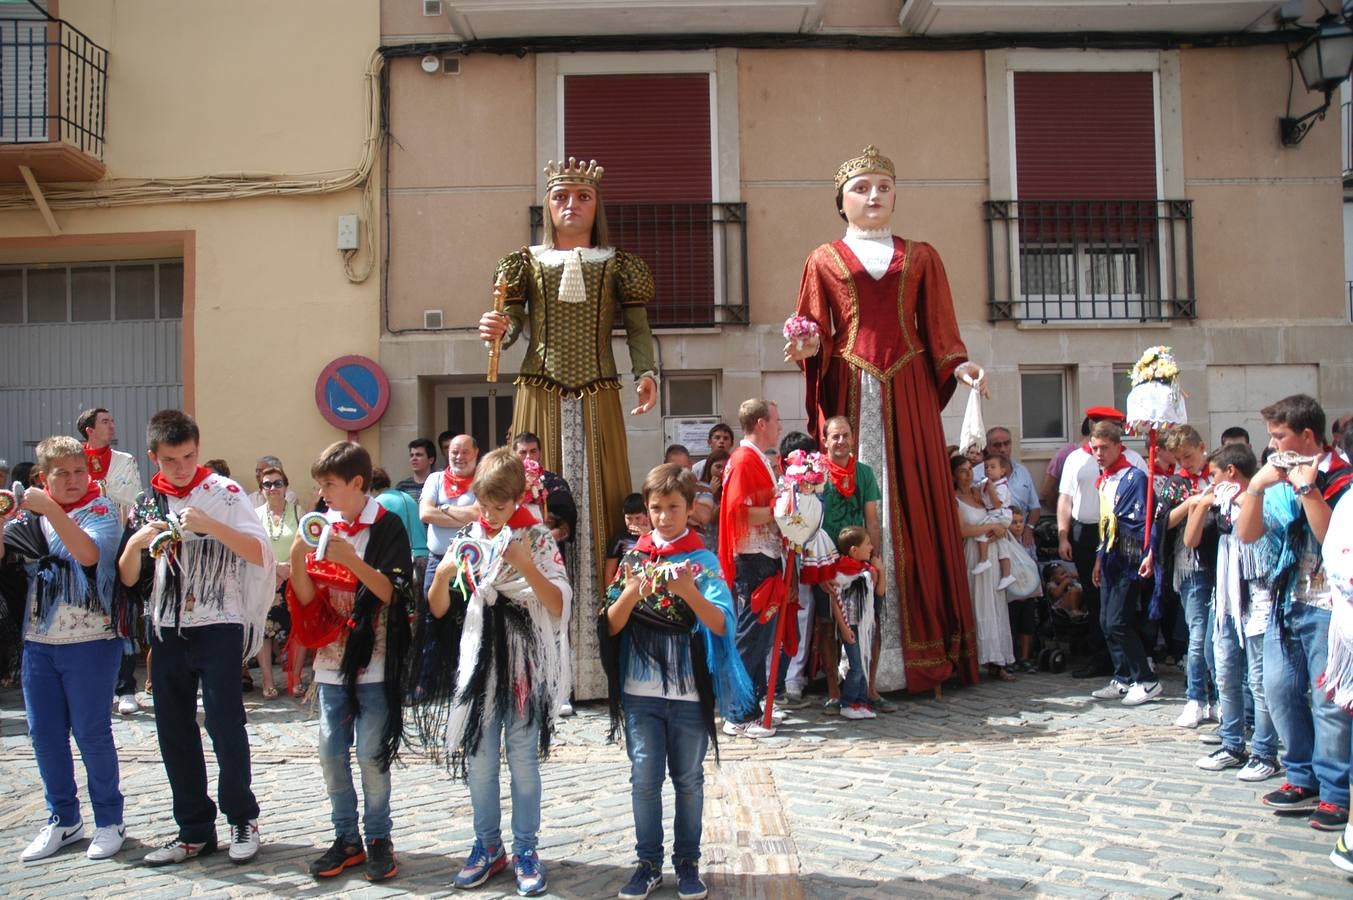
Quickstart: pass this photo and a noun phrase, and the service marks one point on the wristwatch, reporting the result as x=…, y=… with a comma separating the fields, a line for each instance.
x=1304, y=489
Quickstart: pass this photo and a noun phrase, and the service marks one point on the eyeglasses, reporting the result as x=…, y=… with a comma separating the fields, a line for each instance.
x=273, y=485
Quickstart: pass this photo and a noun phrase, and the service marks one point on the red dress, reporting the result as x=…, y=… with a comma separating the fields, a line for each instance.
x=901, y=330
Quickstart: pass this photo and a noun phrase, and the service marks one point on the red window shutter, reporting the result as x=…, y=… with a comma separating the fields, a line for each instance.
x=650, y=132
x=652, y=135
x=1085, y=135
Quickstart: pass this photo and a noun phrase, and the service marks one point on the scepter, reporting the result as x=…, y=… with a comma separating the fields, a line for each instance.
x=496, y=345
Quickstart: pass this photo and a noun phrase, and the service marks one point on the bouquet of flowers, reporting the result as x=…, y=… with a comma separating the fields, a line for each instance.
x=806, y=472
x=1156, y=364
x=535, y=487
x=800, y=329
x=1156, y=400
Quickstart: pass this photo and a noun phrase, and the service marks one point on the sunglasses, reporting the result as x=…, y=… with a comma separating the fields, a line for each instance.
x=273, y=485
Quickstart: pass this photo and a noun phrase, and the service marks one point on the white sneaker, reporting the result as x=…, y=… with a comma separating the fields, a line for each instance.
x=126, y=705
x=1194, y=714
x=1005, y=582
x=1141, y=692
x=177, y=851
x=858, y=711
x=1114, y=690
x=777, y=715
x=244, y=841
x=1211, y=738
x=1212, y=712
x=747, y=729
x=1257, y=770
x=52, y=838
x=980, y=567
x=106, y=842
x=565, y=709
x=1220, y=759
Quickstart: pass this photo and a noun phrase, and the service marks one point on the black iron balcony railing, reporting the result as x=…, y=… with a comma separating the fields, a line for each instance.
x=53, y=84
x=697, y=252
x=1090, y=260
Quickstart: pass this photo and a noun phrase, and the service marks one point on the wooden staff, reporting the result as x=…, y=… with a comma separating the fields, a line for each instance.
x=496, y=345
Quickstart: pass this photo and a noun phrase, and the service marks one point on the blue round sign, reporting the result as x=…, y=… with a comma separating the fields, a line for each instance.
x=352, y=393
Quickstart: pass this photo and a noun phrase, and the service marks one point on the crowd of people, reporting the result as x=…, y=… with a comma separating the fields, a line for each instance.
x=437, y=613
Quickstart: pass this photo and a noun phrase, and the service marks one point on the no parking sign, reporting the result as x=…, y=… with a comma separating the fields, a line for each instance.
x=352, y=393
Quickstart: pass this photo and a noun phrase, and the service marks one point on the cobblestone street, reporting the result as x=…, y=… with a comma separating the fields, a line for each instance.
x=1020, y=789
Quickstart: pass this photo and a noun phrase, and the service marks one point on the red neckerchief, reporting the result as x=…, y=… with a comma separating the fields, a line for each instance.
x=843, y=477
x=347, y=529
x=98, y=461
x=454, y=485
x=687, y=543
x=87, y=498
x=1119, y=465
x=521, y=518
x=164, y=486
x=1339, y=473
x=1196, y=482
x=850, y=566
x=1086, y=448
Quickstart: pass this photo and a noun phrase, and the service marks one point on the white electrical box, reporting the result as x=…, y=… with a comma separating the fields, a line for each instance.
x=347, y=232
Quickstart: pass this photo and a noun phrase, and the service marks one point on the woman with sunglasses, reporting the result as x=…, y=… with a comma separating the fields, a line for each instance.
x=281, y=518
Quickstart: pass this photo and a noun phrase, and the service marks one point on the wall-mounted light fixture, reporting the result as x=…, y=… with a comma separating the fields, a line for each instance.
x=1324, y=60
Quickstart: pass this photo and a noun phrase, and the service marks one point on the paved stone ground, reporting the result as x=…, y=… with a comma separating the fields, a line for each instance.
x=1023, y=789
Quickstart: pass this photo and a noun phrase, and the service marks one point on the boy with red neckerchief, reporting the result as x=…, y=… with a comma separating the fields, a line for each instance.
x=207, y=586
x=1122, y=526
x=502, y=679
x=667, y=636
x=68, y=534
x=353, y=608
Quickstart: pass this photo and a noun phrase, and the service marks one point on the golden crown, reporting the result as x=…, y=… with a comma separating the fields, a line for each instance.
x=572, y=172
x=870, y=162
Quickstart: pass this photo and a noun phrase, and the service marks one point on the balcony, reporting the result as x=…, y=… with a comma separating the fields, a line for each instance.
x=53, y=88
x=1068, y=261
x=697, y=252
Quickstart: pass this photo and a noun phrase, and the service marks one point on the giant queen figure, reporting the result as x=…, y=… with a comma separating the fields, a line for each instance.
x=886, y=356
x=564, y=294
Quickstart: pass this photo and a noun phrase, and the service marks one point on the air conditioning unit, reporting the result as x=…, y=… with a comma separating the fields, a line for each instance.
x=432, y=7
x=432, y=319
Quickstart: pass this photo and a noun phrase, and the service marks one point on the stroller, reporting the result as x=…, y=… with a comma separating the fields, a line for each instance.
x=1062, y=634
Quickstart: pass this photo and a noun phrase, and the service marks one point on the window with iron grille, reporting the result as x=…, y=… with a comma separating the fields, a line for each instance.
x=1088, y=236
x=91, y=292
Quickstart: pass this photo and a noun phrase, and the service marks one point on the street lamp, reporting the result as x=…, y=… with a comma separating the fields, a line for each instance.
x=1324, y=60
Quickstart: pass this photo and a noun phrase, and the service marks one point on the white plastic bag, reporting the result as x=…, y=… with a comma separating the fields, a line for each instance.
x=974, y=432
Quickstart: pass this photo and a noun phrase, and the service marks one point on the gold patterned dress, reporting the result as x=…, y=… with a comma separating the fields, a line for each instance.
x=568, y=393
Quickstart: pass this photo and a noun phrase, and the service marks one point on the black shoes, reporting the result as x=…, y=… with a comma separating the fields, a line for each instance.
x=343, y=854
x=380, y=860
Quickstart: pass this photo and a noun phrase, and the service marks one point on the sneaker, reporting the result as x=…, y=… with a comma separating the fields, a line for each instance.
x=793, y=700
x=1341, y=856
x=1114, y=690
x=1194, y=714
x=1212, y=712
x=530, y=874
x=380, y=860
x=126, y=705
x=480, y=866
x=52, y=838
x=1220, y=759
x=858, y=711
x=565, y=709
x=749, y=729
x=881, y=704
x=244, y=841
x=106, y=842
x=343, y=853
x=1141, y=692
x=777, y=715
x=980, y=567
x=832, y=707
x=1328, y=817
x=177, y=851
x=1005, y=582
x=1290, y=798
x=646, y=879
x=1211, y=738
x=689, y=884
x=1257, y=769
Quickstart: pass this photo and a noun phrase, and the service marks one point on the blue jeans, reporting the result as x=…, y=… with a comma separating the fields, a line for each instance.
x=1195, y=594
x=338, y=730
x=208, y=655
x=1315, y=732
x=68, y=689
x=854, y=688
x=754, y=637
x=523, y=745
x=664, y=736
x=1118, y=621
x=1238, y=668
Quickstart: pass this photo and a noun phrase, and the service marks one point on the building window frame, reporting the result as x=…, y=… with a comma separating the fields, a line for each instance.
x=1028, y=435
